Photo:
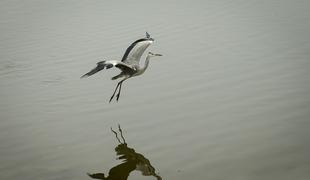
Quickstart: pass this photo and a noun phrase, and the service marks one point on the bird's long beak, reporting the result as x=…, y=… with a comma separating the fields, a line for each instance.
x=158, y=55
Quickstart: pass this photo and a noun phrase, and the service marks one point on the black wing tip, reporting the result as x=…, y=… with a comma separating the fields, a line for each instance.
x=90, y=73
x=99, y=67
x=84, y=76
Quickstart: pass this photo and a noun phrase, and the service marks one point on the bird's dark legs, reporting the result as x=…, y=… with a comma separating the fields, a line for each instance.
x=119, y=87
x=118, y=84
x=119, y=91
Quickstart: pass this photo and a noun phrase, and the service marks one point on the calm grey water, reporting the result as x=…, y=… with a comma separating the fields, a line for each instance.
x=230, y=98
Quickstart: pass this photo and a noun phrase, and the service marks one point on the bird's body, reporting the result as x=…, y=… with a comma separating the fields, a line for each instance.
x=130, y=63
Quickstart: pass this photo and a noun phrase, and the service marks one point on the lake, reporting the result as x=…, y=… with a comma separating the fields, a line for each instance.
x=229, y=98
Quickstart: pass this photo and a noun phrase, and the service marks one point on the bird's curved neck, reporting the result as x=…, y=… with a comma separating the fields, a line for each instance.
x=146, y=64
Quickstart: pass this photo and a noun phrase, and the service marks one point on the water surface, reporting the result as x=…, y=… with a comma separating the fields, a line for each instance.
x=228, y=100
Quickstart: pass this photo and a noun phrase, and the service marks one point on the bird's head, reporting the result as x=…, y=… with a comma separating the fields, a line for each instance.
x=153, y=54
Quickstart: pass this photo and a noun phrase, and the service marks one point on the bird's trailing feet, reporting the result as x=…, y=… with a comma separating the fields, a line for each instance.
x=119, y=87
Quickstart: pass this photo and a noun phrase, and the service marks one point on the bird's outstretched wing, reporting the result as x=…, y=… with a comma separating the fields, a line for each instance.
x=109, y=64
x=100, y=65
x=134, y=52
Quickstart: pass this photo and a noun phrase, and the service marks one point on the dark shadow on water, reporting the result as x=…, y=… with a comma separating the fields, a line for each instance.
x=131, y=160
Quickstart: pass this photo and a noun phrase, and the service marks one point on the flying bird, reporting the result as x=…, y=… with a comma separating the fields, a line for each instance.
x=129, y=65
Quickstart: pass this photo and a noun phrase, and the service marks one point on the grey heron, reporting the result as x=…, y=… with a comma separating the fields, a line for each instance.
x=129, y=65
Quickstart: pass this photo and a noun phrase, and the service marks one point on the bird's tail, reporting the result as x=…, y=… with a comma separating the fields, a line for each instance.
x=100, y=65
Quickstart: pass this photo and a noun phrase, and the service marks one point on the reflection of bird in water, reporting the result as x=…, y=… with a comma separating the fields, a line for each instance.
x=131, y=161
x=130, y=63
